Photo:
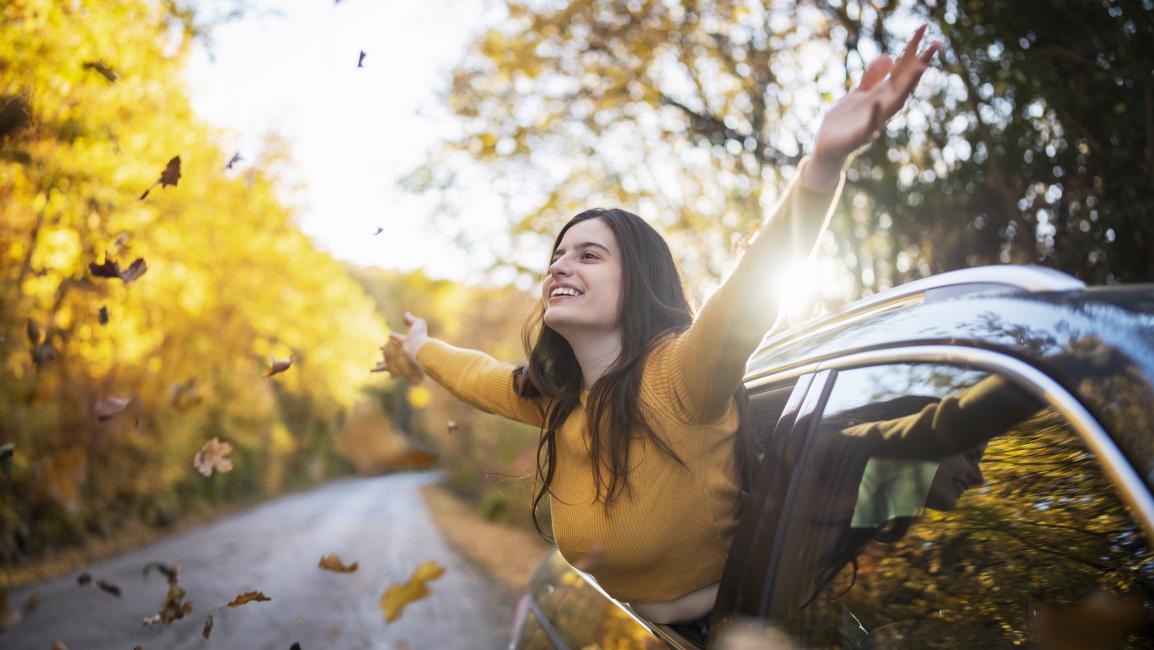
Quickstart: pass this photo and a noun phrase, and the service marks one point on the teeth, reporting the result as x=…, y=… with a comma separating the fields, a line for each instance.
x=564, y=291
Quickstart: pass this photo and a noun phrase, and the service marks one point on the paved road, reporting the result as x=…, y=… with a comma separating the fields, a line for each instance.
x=380, y=522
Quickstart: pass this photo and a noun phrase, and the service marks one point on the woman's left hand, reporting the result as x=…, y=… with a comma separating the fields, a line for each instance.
x=855, y=119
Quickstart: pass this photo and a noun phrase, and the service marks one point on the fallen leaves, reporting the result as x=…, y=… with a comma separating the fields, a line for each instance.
x=397, y=597
x=169, y=176
x=111, y=269
x=248, y=597
x=333, y=562
x=212, y=457
x=84, y=579
x=170, y=572
x=108, y=407
x=277, y=366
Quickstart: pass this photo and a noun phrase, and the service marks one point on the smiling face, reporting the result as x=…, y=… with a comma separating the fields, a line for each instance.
x=955, y=475
x=582, y=292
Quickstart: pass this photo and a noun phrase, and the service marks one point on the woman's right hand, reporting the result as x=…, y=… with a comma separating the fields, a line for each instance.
x=401, y=350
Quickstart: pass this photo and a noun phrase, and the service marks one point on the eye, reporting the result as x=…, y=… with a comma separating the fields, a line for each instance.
x=588, y=254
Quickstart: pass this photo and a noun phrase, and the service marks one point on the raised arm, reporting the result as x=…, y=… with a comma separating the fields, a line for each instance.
x=470, y=375
x=709, y=358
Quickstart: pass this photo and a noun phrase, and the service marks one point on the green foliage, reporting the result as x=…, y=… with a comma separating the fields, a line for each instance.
x=1031, y=143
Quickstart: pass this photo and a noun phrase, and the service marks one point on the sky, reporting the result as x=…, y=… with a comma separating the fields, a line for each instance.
x=290, y=67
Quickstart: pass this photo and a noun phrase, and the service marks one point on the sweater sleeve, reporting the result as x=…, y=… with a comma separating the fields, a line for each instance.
x=957, y=423
x=706, y=363
x=479, y=380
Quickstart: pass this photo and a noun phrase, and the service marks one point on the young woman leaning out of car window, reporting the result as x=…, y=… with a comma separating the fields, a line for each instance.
x=644, y=448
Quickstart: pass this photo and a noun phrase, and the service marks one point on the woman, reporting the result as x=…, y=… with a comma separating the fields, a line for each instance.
x=640, y=405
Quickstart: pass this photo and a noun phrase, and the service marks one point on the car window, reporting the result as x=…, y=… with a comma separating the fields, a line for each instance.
x=942, y=506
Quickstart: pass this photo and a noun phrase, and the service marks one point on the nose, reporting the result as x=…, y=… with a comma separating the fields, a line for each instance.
x=559, y=267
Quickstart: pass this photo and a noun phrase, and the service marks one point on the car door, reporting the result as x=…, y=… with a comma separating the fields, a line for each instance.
x=948, y=497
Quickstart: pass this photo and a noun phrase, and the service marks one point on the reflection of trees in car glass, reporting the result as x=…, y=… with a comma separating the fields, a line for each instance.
x=1045, y=531
x=881, y=383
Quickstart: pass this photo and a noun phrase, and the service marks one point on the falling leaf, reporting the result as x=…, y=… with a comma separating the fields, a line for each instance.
x=234, y=160
x=103, y=315
x=361, y=60
x=33, y=332
x=207, y=626
x=108, y=407
x=184, y=395
x=248, y=597
x=396, y=597
x=169, y=176
x=109, y=587
x=379, y=231
x=110, y=269
x=170, y=571
x=212, y=457
x=452, y=424
x=174, y=607
x=102, y=67
x=277, y=366
x=84, y=578
x=57, y=645
x=134, y=270
x=333, y=563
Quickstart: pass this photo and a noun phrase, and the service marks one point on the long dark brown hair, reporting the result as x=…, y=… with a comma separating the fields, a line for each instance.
x=652, y=305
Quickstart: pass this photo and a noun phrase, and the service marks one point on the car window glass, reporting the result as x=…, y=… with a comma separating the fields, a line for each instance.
x=896, y=539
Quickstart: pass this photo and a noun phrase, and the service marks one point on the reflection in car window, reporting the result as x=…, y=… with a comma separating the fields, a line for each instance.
x=1018, y=538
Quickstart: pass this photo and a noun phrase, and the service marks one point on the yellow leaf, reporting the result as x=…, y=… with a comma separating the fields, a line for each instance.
x=397, y=596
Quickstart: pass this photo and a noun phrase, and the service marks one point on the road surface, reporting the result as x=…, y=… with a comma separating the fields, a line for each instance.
x=380, y=522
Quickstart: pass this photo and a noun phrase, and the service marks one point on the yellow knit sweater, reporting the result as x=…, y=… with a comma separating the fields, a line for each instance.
x=669, y=533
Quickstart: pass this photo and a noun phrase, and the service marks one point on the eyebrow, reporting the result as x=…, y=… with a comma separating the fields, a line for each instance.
x=584, y=244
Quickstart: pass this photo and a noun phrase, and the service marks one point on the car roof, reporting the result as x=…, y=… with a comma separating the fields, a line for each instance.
x=1029, y=313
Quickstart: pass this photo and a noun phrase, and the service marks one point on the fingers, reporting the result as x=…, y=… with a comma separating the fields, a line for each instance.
x=876, y=71
x=399, y=338
x=928, y=55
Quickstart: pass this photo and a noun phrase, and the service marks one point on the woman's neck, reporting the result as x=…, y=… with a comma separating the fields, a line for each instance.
x=596, y=352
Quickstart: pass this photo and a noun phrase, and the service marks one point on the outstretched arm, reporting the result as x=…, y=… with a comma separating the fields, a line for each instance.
x=470, y=375
x=709, y=359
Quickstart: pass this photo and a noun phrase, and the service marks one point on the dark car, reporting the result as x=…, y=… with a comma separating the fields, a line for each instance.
x=964, y=461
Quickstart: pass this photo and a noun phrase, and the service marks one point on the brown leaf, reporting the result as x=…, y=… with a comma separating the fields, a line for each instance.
x=102, y=316
x=33, y=332
x=234, y=160
x=248, y=597
x=103, y=68
x=84, y=578
x=106, y=269
x=58, y=645
x=134, y=270
x=109, y=587
x=108, y=407
x=333, y=563
x=169, y=176
x=111, y=269
x=396, y=597
x=207, y=626
x=277, y=366
x=170, y=571
x=212, y=457
x=174, y=607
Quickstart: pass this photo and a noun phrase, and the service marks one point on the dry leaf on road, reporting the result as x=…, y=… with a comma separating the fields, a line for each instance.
x=333, y=562
x=397, y=596
x=248, y=597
